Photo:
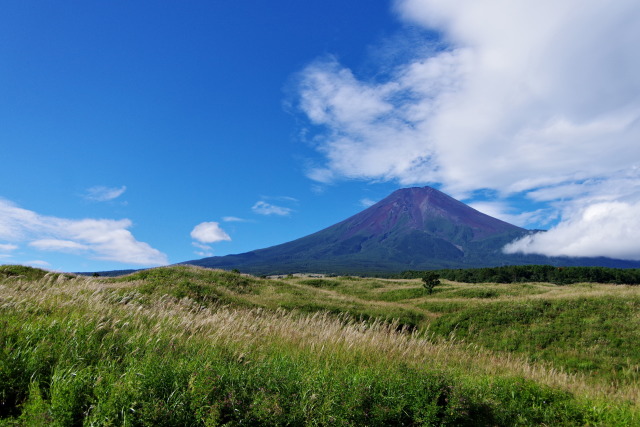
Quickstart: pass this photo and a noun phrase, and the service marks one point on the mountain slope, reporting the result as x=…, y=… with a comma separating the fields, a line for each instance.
x=413, y=228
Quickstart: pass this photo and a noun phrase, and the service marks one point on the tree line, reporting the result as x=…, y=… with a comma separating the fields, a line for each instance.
x=534, y=273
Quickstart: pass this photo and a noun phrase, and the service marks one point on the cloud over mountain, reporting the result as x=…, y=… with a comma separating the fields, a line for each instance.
x=611, y=228
x=537, y=98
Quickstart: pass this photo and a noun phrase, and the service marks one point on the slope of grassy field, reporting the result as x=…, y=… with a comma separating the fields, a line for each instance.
x=190, y=346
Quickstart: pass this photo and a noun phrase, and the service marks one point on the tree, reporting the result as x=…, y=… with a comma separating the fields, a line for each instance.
x=430, y=280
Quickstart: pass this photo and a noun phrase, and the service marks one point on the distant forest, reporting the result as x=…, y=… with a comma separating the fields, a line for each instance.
x=535, y=273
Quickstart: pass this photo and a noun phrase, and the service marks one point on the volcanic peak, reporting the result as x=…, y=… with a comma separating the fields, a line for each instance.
x=420, y=208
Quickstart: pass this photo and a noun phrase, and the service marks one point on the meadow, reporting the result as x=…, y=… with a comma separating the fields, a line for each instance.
x=192, y=346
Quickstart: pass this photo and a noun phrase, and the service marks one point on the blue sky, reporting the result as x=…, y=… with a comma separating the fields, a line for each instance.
x=143, y=133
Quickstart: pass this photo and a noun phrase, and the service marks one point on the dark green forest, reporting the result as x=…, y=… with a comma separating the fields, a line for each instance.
x=535, y=273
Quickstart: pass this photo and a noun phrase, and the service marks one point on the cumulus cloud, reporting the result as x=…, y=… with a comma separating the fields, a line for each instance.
x=264, y=208
x=535, y=97
x=104, y=194
x=372, y=130
x=103, y=239
x=209, y=232
x=602, y=229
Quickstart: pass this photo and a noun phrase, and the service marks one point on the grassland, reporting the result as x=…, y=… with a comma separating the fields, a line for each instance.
x=190, y=346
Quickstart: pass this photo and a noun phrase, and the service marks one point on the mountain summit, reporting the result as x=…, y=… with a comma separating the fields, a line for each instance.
x=413, y=228
x=429, y=211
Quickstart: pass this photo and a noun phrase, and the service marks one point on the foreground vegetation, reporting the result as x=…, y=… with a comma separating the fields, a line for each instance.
x=189, y=346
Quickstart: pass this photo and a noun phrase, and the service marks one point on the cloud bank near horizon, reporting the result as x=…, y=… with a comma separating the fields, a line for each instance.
x=536, y=98
x=596, y=229
x=102, y=239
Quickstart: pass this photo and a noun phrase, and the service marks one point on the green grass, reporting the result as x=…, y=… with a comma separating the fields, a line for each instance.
x=402, y=294
x=190, y=346
x=443, y=307
x=13, y=273
x=121, y=379
x=585, y=334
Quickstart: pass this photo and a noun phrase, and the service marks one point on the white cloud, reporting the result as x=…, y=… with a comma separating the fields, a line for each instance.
x=58, y=245
x=505, y=212
x=264, y=208
x=283, y=198
x=114, y=242
x=37, y=263
x=104, y=194
x=7, y=247
x=209, y=232
x=366, y=202
x=205, y=250
x=609, y=229
x=381, y=141
x=103, y=239
x=536, y=97
x=234, y=219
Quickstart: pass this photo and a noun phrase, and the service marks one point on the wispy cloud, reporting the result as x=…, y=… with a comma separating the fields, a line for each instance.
x=204, y=250
x=37, y=263
x=104, y=194
x=234, y=219
x=103, y=239
x=7, y=247
x=532, y=97
x=366, y=202
x=505, y=212
x=282, y=198
x=264, y=208
x=58, y=245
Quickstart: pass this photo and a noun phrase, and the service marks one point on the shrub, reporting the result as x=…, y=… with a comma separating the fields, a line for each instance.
x=430, y=280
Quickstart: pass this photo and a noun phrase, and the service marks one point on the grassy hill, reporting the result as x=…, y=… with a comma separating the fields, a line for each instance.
x=191, y=346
